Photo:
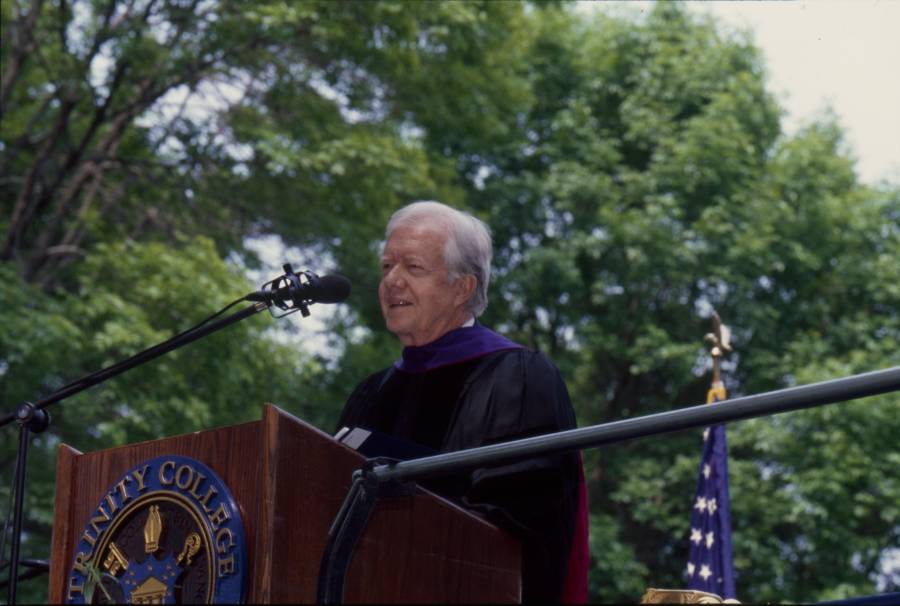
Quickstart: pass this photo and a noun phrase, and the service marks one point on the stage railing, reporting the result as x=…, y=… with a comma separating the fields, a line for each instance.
x=379, y=477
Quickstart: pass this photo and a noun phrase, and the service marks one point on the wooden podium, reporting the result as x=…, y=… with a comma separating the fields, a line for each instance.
x=289, y=480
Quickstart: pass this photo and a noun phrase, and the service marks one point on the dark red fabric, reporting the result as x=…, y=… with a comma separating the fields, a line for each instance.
x=575, y=586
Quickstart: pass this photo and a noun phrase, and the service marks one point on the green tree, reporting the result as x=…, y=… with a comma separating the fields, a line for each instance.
x=650, y=183
x=306, y=118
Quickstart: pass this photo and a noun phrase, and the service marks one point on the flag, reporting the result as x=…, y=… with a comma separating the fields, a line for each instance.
x=710, y=565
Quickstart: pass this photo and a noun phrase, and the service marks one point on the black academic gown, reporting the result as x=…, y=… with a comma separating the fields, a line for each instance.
x=499, y=397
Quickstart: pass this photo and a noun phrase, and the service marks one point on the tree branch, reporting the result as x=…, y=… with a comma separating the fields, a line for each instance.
x=26, y=201
x=23, y=42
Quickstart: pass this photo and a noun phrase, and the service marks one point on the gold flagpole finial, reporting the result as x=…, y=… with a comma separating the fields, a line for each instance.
x=720, y=339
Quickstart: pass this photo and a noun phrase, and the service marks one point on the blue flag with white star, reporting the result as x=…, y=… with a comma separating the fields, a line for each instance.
x=710, y=565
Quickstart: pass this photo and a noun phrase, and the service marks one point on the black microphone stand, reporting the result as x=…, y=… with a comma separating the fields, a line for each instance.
x=33, y=419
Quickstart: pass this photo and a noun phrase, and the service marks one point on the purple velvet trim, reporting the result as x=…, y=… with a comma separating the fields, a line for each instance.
x=454, y=347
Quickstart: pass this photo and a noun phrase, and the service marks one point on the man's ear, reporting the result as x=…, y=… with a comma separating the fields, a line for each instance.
x=464, y=288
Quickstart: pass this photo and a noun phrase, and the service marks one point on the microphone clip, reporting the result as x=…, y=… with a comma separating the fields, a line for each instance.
x=295, y=284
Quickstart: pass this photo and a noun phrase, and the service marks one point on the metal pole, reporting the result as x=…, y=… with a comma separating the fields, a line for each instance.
x=773, y=402
x=21, y=461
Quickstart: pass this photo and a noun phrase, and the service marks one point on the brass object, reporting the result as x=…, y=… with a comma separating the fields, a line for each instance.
x=151, y=591
x=152, y=529
x=682, y=596
x=115, y=560
x=720, y=339
x=191, y=547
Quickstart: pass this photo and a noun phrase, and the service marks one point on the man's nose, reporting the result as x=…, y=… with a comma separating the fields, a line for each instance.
x=394, y=276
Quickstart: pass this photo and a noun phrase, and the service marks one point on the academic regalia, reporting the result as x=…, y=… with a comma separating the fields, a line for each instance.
x=470, y=388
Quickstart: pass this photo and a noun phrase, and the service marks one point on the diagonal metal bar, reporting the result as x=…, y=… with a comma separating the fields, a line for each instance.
x=758, y=405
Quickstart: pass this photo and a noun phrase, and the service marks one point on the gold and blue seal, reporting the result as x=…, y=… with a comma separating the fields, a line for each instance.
x=168, y=532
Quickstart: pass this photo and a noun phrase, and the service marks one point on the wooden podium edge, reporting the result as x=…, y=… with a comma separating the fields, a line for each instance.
x=62, y=512
x=275, y=426
x=261, y=592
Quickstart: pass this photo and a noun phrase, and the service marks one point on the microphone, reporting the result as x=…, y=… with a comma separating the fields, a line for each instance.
x=289, y=292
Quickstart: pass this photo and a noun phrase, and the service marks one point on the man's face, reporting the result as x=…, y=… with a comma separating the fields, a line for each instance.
x=418, y=303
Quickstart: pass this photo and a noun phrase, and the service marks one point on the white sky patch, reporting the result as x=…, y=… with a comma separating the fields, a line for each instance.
x=838, y=54
x=209, y=98
x=890, y=568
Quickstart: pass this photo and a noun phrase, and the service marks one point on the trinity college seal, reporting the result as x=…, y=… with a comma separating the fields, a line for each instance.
x=168, y=532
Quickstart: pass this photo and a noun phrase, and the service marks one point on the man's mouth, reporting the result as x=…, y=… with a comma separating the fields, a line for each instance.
x=399, y=303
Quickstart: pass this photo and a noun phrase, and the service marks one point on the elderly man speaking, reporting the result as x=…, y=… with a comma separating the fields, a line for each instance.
x=460, y=385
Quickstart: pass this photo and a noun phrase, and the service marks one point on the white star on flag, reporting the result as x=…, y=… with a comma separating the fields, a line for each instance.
x=709, y=547
x=696, y=535
x=691, y=569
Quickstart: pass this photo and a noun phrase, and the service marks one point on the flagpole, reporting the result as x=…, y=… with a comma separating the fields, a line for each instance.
x=710, y=565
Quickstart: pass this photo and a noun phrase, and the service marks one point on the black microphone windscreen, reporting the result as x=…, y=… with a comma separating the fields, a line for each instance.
x=332, y=289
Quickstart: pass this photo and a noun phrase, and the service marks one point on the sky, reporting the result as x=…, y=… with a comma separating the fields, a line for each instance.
x=825, y=53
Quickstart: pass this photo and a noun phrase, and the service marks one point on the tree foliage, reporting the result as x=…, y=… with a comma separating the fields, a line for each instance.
x=652, y=183
x=634, y=175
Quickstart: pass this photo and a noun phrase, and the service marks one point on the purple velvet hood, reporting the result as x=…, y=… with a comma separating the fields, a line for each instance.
x=456, y=346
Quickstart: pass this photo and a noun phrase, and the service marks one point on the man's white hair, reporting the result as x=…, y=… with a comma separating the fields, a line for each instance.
x=468, y=249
